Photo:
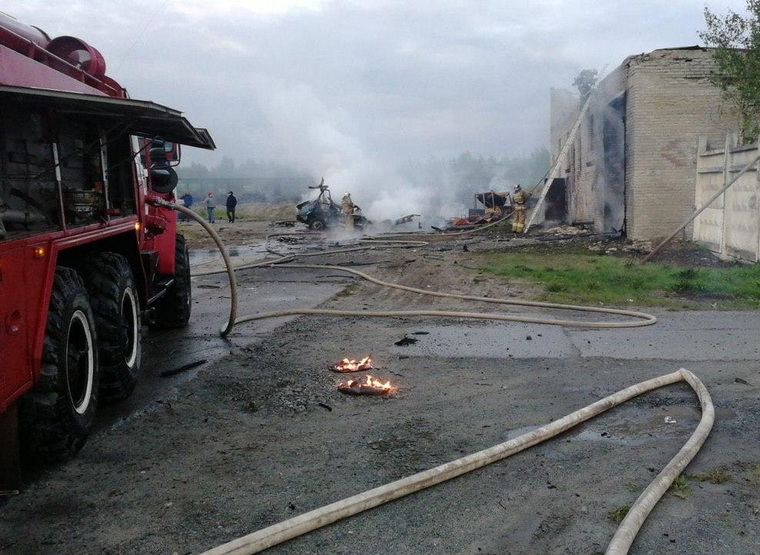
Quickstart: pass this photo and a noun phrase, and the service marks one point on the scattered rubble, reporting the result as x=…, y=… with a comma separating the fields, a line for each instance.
x=406, y=341
x=183, y=368
x=564, y=230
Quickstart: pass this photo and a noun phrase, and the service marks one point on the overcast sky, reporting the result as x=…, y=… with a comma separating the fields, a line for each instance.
x=332, y=84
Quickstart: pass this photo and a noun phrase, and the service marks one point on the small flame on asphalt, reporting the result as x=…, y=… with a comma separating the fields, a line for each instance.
x=368, y=386
x=352, y=365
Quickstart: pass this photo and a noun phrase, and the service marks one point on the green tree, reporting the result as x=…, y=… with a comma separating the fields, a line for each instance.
x=736, y=40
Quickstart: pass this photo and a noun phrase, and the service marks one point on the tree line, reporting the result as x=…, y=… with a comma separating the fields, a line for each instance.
x=456, y=177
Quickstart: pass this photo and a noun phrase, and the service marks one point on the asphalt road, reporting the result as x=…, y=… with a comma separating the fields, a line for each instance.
x=259, y=434
x=171, y=349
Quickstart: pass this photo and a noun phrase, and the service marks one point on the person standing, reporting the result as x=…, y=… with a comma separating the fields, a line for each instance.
x=231, y=204
x=347, y=207
x=210, y=207
x=187, y=199
x=518, y=200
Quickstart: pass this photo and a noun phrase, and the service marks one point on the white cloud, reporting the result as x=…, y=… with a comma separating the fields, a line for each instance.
x=202, y=9
x=355, y=82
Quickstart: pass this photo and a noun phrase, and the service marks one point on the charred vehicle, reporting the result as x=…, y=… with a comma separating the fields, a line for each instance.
x=324, y=213
x=85, y=257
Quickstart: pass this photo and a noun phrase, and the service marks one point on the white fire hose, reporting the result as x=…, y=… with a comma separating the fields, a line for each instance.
x=629, y=527
x=227, y=327
x=621, y=541
x=641, y=318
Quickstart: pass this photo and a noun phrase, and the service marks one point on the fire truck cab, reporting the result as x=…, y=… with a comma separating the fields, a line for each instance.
x=84, y=255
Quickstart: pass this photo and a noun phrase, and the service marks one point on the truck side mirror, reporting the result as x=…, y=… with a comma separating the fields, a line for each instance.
x=173, y=153
x=163, y=179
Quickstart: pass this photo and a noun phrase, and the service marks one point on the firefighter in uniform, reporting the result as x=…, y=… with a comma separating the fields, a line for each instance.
x=347, y=206
x=518, y=200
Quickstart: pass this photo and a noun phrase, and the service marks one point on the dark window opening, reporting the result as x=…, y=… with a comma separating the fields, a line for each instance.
x=556, y=202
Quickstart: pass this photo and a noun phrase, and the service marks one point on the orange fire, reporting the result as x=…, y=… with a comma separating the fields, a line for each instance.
x=368, y=386
x=346, y=365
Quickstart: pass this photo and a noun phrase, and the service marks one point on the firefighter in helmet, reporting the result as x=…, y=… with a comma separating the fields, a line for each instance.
x=347, y=207
x=518, y=200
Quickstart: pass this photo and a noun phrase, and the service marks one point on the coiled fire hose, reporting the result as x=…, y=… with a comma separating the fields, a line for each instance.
x=623, y=537
x=631, y=524
x=639, y=318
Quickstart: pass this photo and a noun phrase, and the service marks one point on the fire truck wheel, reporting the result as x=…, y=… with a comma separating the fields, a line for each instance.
x=116, y=305
x=56, y=416
x=173, y=309
x=317, y=224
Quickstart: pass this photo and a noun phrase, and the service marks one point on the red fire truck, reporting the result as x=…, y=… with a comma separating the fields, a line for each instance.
x=84, y=254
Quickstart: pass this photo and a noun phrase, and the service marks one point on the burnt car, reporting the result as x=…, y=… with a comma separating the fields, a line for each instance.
x=323, y=213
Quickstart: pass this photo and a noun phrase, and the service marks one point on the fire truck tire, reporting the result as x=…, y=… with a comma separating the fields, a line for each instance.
x=173, y=309
x=116, y=305
x=56, y=416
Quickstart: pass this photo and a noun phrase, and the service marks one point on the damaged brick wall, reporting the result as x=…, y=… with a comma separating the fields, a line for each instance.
x=589, y=172
x=633, y=161
x=671, y=103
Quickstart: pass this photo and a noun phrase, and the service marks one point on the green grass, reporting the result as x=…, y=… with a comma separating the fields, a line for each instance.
x=253, y=211
x=754, y=477
x=680, y=488
x=617, y=515
x=713, y=476
x=590, y=278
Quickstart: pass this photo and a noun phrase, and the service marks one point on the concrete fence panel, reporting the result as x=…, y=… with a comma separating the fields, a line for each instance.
x=731, y=225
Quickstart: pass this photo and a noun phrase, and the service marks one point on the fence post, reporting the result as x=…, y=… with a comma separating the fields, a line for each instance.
x=727, y=162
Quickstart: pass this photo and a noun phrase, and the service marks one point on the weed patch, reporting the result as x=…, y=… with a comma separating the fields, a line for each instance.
x=680, y=488
x=632, y=487
x=713, y=476
x=583, y=278
x=754, y=477
x=348, y=291
x=617, y=515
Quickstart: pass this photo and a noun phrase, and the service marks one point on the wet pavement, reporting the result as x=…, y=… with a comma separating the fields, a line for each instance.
x=678, y=336
x=259, y=290
x=263, y=434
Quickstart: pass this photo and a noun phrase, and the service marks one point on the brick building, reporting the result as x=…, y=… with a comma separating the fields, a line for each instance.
x=632, y=164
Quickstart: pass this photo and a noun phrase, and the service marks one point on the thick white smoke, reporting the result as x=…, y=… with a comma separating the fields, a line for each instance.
x=306, y=133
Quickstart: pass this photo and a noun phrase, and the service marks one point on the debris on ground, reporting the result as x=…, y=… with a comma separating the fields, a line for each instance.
x=183, y=368
x=290, y=239
x=642, y=247
x=496, y=206
x=564, y=230
x=406, y=341
x=406, y=219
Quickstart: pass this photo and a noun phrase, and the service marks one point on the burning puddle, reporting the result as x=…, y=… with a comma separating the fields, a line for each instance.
x=368, y=386
x=346, y=365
